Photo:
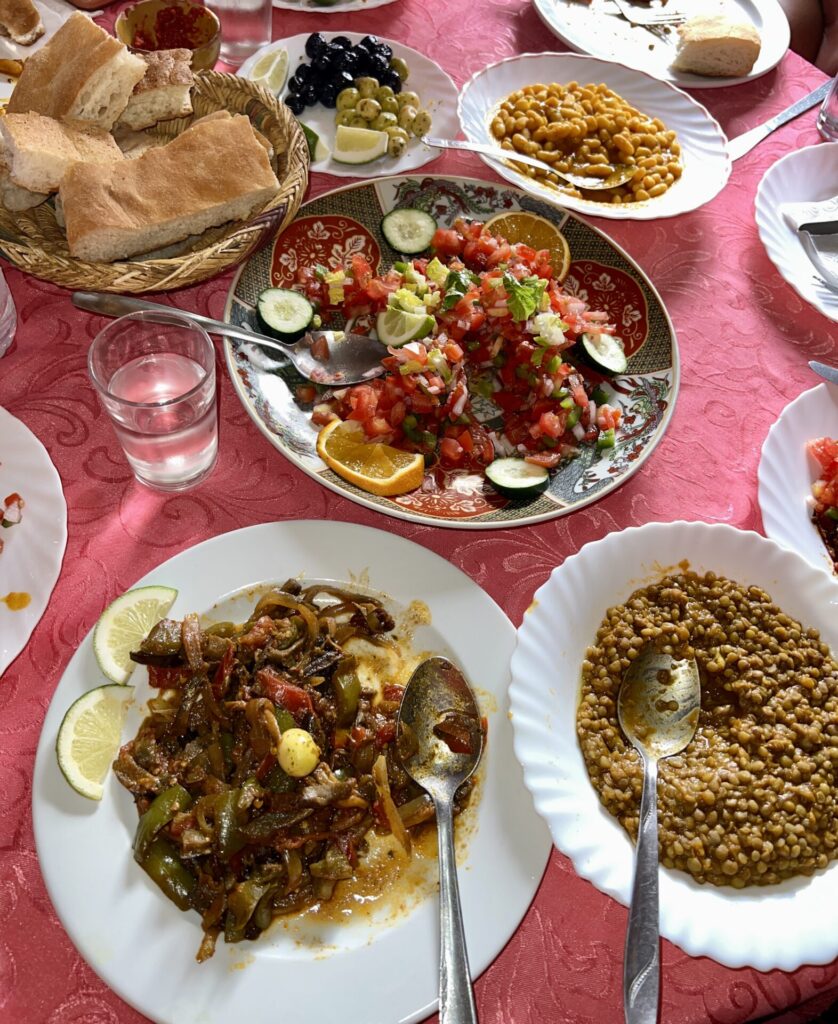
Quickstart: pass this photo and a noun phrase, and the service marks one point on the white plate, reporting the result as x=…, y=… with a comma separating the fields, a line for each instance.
x=766, y=927
x=787, y=472
x=32, y=551
x=805, y=175
x=597, y=29
x=434, y=88
x=703, y=144
x=53, y=15
x=341, y=7
x=144, y=948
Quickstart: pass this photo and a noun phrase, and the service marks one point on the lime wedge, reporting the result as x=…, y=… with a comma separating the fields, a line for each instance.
x=88, y=739
x=396, y=327
x=317, y=149
x=124, y=623
x=271, y=70
x=358, y=145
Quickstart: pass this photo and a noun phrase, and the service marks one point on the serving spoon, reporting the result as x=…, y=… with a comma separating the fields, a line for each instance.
x=619, y=176
x=352, y=357
x=438, y=695
x=657, y=707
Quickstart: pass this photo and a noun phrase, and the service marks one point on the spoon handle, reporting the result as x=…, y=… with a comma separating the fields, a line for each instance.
x=641, y=965
x=456, y=999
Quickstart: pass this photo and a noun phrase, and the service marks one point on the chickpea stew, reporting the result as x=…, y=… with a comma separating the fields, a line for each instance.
x=752, y=799
x=592, y=131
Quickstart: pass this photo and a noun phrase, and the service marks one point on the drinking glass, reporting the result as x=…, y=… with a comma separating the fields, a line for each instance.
x=8, y=316
x=828, y=114
x=245, y=27
x=155, y=376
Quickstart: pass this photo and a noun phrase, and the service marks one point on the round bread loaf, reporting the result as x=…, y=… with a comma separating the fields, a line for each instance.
x=715, y=46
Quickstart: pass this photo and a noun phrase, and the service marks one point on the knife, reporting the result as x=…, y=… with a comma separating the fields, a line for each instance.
x=827, y=372
x=743, y=144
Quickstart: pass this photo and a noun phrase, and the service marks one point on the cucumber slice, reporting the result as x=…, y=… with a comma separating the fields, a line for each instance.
x=605, y=351
x=285, y=314
x=517, y=478
x=408, y=231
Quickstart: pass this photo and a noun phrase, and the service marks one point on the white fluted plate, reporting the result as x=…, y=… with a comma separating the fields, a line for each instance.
x=703, y=144
x=805, y=175
x=787, y=472
x=766, y=927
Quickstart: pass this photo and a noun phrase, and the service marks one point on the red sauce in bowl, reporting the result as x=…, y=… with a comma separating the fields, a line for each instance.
x=174, y=28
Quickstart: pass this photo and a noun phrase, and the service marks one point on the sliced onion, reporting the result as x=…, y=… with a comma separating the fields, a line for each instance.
x=578, y=431
x=391, y=813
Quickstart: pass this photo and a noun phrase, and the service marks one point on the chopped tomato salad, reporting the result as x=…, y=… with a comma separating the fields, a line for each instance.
x=825, y=489
x=482, y=319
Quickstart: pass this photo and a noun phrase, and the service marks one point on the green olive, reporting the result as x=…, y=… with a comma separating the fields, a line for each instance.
x=396, y=145
x=368, y=108
x=406, y=117
x=421, y=123
x=347, y=98
x=384, y=121
x=359, y=122
x=367, y=87
x=383, y=92
x=408, y=99
x=400, y=67
x=397, y=133
x=390, y=105
x=347, y=117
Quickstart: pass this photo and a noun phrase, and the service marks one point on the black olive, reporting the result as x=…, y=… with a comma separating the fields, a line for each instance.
x=383, y=50
x=322, y=63
x=369, y=42
x=315, y=43
x=303, y=73
x=343, y=42
x=296, y=84
x=310, y=95
x=378, y=67
x=341, y=80
x=335, y=53
x=391, y=78
x=348, y=61
x=329, y=95
x=295, y=104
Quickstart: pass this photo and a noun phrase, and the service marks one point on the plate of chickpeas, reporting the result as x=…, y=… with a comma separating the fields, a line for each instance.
x=601, y=120
x=368, y=82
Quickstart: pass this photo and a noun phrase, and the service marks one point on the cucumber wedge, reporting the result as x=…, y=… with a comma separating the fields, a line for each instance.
x=408, y=231
x=517, y=478
x=605, y=352
x=284, y=314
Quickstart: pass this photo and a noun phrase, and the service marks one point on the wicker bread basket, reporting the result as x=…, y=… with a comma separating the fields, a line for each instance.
x=33, y=241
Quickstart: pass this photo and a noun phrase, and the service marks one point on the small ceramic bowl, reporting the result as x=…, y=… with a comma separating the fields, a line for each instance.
x=170, y=24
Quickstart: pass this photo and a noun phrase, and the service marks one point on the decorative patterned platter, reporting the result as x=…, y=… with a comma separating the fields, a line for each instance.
x=332, y=227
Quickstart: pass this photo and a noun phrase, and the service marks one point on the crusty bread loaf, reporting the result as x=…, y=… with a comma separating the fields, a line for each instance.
x=213, y=173
x=716, y=46
x=40, y=150
x=20, y=21
x=12, y=196
x=163, y=92
x=134, y=144
x=82, y=73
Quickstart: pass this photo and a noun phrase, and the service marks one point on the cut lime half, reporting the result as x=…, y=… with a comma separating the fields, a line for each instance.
x=88, y=739
x=124, y=623
x=271, y=70
x=396, y=327
x=317, y=148
x=358, y=145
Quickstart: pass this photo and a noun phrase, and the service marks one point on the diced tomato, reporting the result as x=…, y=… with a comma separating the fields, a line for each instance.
x=450, y=451
x=549, y=460
x=452, y=352
x=286, y=695
x=551, y=424
x=166, y=678
x=392, y=692
x=447, y=242
x=385, y=734
x=377, y=426
x=222, y=675
x=397, y=413
x=467, y=442
x=361, y=270
x=824, y=449
x=306, y=392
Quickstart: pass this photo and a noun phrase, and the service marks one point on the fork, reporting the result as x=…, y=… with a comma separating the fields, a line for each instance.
x=647, y=19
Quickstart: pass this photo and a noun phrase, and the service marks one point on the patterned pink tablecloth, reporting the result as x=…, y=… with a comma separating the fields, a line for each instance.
x=745, y=339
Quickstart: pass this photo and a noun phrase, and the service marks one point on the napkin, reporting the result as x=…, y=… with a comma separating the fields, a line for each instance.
x=795, y=214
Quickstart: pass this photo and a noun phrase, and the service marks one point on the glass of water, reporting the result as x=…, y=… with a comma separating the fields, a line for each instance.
x=828, y=114
x=245, y=27
x=155, y=376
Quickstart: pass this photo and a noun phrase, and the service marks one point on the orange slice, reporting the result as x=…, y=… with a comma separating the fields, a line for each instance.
x=374, y=467
x=537, y=232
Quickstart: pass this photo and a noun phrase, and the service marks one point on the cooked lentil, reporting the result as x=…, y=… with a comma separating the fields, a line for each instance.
x=589, y=130
x=752, y=799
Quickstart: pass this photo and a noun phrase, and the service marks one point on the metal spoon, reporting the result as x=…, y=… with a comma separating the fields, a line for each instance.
x=620, y=174
x=438, y=694
x=658, y=709
x=829, y=373
x=352, y=357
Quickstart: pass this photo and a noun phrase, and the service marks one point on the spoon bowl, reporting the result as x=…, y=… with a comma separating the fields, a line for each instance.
x=658, y=708
x=439, y=725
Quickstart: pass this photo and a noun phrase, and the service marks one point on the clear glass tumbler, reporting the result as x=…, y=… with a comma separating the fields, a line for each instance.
x=245, y=27
x=155, y=376
x=828, y=114
x=8, y=316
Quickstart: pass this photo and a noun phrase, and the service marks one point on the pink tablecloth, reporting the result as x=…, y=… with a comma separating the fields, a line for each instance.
x=745, y=338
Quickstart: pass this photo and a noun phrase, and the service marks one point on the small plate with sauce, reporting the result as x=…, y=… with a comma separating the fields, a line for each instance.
x=33, y=549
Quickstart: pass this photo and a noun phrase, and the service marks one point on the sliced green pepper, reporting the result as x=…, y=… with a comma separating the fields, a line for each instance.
x=573, y=417
x=278, y=781
x=832, y=513
x=347, y=689
x=168, y=872
x=229, y=839
x=600, y=396
x=284, y=719
x=606, y=439
x=163, y=808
